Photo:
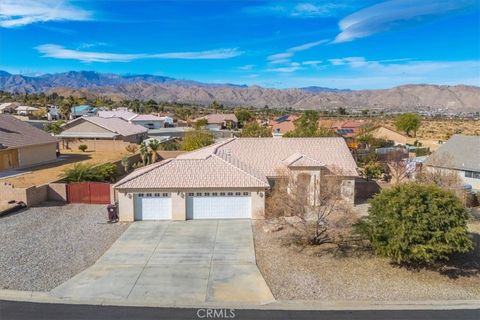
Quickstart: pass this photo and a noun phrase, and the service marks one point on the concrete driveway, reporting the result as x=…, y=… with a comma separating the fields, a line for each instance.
x=187, y=262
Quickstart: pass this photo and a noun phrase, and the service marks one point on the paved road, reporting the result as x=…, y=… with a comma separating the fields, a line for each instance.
x=10, y=310
x=193, y=262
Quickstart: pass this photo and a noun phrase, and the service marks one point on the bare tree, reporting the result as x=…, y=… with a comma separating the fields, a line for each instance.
x=397, y=166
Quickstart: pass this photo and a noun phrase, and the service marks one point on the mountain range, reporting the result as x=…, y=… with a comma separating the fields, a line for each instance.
x=458, y=98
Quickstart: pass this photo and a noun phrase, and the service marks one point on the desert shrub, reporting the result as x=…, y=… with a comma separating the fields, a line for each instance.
x=87, y=172
x=196, y=139
x=416, y=223
x=83, y=147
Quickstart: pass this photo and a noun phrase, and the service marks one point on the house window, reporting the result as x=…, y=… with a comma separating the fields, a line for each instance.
x=246, y=193
x=238, y=193
x=140, y=195
x=149, y=194
x=165, y=194
x=230, y=193
x=472, y=174
x=157, y=194
x=222, y=194
x=214, y=194
x=191, y=194
x=207, y=194
x=199, y=194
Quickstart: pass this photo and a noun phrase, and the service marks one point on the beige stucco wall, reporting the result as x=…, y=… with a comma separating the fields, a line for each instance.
x=32, y=155
x=179, y=202
x=84, y=126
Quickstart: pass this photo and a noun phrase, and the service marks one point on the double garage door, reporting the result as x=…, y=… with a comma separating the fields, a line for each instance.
x=199, y=205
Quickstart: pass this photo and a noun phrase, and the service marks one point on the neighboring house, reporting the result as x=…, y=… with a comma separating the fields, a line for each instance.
x=346, y=129
x=82, y=110
x=282, y=125
x=229, y=179
x=25, y=110
x=387, y=133
x=148, y=121
x=219, y=121
x=22, y=145
x=94, y=130
x=8, y=107
x=459, y=154
x=53, y=112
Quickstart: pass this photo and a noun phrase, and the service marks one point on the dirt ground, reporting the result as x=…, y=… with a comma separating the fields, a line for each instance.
x=297, y=273
x=441, y=129
x=42, y=174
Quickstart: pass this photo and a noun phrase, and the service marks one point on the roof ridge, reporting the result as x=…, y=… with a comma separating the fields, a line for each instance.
x=152, y=166
x=240, y=169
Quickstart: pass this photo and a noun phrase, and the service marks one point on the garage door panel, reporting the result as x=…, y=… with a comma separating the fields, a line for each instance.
x=227, y=207
x=153, y=208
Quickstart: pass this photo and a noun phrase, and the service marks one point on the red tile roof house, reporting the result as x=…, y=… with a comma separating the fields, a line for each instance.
x=228, y=180
x=282, y=125
x=22, y=145
x=219, y=121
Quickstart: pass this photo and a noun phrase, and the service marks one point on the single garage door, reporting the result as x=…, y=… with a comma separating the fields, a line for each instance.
x=153, y=206
x=219, y=205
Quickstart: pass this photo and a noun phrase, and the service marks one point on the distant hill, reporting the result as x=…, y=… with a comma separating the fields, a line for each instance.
x=159, y=88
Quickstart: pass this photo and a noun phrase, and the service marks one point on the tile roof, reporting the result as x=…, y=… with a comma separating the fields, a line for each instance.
x=219, y=117
x=116, y=125
x=266, y=154
x=122, y=113
x=212, y=172
x=16, y=133
x=242, y=162
x=147, y=117
x=459, y=152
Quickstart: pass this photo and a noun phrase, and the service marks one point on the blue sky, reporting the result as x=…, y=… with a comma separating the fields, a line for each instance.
x=341, y=44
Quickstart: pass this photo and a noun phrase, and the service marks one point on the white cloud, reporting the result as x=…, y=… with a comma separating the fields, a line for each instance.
x=17, y=13
x=60, y=52
x=307, y=46
x=383, y=16
x=294, y=9
x=246, y=67
x=312, y=62
x=294, y=66
x=284, y=57
x=280, y=56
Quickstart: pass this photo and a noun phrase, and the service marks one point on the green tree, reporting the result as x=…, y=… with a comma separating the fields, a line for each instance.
x=243, y=116
x=54, y=127
x=307, y=126
x=200, y=123
x=254, y=129
x=145, y=153
x=83, y=147
x=414, y=222
x=408, y=122
x=371, y=170
x=125, y=163
x=196, y=139
x=88, y=172
x=154, y=146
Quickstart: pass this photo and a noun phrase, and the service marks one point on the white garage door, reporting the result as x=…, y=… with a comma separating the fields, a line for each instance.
x=219, y=205
x=153, y=206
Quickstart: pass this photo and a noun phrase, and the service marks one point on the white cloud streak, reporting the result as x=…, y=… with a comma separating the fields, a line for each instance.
x=18, y=13
x=386, y=15
x=284, y=57
x=60, y=52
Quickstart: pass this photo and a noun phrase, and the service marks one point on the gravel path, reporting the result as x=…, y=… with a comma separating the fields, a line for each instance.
x=292, y=274
x=44, y=246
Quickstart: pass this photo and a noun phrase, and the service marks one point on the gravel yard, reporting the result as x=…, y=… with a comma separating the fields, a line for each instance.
x=308, y=275
x=45, y=246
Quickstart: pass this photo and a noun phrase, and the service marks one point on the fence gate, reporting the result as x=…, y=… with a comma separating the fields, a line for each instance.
x=88, y=192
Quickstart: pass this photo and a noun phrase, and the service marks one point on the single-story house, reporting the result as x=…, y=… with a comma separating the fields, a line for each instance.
x=25, y=110
x=8, y=107
x=282, y=125
x=95, y=130
x=219, y=121
x=459, y=154
x=228, y=180
x=383, y=132
x=344, y=128
x=82, y=110
x=22, y=145
x=148, y=121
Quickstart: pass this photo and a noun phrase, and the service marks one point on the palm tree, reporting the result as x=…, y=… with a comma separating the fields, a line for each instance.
x=144, y=153
x=154, y=145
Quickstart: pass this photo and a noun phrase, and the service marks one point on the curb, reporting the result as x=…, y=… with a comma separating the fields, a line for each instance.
x=311, y=305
